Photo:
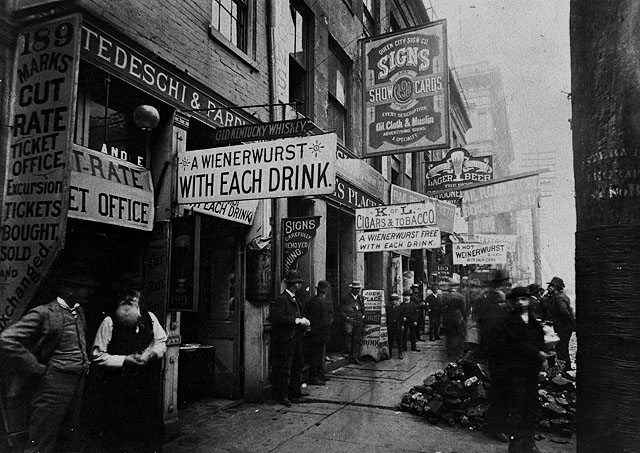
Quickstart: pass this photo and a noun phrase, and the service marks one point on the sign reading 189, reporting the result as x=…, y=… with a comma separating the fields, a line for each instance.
x=42, y=39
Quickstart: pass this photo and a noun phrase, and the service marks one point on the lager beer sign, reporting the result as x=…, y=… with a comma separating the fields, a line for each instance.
x=406, y=91
x=457, y=168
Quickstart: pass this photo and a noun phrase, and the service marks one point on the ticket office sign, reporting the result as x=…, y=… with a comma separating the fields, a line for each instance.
x=290, y=167
x=109, y=190
x=476, y=253
x=36, y=189
x=398, y=239
x=396, y=216
x=406, y=91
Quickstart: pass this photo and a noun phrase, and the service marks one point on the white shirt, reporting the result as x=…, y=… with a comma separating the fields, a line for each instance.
x=99, y=353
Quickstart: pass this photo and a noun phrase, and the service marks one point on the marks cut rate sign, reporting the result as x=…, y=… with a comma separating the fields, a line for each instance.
x=291, y=167
x=36, y=189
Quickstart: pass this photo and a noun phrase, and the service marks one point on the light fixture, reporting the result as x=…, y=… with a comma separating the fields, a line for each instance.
x=146, y=117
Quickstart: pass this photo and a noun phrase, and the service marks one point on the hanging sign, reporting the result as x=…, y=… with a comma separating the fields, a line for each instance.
x=506, y=196
x=445, y=212
x=36, y=189
x=398, y=239
x=396, y=216
x=375, y=342
x=235, y=211
x=261, y=131
x=458, y=168
x=475, y=253
x=406, y=91
x=297, y=234
x=290, y=167
x=109, y=190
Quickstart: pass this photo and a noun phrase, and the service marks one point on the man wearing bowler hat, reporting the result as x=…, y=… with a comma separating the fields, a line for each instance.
x=45, y=353
x=352, y=311
x=288, y=327
x=558, y=310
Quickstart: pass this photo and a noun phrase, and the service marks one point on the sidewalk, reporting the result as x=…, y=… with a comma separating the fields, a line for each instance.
x=356, y=411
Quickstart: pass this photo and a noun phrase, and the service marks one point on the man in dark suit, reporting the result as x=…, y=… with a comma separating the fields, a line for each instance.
x=319, y=311
x=352, y=311
x=557, y=306
x=45, y=353
x=288, y=328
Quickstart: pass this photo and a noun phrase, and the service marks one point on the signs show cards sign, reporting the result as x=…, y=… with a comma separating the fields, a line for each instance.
x=36, y=189
x=406, y=91
x=475, y=253
x=396, y=216
x=109, y=190
x=299, y=166
x=398, y=239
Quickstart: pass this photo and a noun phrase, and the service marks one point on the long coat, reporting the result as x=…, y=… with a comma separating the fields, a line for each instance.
x=560, y=313
x=27, y=345
x=319, y=312
x=285, y=311
x=352, y=310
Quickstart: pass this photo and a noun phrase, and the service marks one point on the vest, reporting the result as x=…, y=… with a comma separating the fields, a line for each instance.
x=127, y=340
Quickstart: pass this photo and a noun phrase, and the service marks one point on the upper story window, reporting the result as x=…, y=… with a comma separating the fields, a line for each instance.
x=230, y=19
x=369, y=17
x=393, y=24
x=339, y=68
x=298, y=60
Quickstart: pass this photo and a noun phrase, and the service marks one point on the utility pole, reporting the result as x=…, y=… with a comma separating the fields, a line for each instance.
x=605, y=93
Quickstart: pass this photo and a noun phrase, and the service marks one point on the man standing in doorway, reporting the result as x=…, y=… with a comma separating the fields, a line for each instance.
x=558, y=308
x=419, y=304
x=45, y=352
x=288, y=328
x=352, y=311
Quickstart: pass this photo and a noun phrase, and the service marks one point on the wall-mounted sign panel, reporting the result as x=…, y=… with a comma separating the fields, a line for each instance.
x=235, y=211
x=406, y=91
x=396, y=216
x=290, y=167
x=398, y=239
x=36, y=161
x=473, y=253
x=109, y=190
x=505, y=196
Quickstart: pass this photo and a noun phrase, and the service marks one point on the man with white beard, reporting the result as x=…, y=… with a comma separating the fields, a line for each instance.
x=129, y=345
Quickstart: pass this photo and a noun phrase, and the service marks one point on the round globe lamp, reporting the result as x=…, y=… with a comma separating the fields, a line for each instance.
x=146, y=117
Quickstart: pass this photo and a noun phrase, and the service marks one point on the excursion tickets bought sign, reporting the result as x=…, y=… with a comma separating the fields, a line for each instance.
x=398, y=239
x=396, y=216
x=298, y=166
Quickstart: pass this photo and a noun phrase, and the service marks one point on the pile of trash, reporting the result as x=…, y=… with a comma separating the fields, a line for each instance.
x=457, y=396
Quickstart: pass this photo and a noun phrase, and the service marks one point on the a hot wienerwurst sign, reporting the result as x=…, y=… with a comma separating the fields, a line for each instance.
x=298, y=166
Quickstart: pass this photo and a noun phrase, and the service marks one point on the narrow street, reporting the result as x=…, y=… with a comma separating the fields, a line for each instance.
x=355, y=411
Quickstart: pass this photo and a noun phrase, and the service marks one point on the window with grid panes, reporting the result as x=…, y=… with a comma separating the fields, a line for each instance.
x=229, y=18
x=338, y=94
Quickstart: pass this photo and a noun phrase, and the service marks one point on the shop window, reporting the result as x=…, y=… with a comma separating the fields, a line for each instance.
x=298, y=59
x=339, y=69
x=393, y=24
x=104, y=116
x=229, y=20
